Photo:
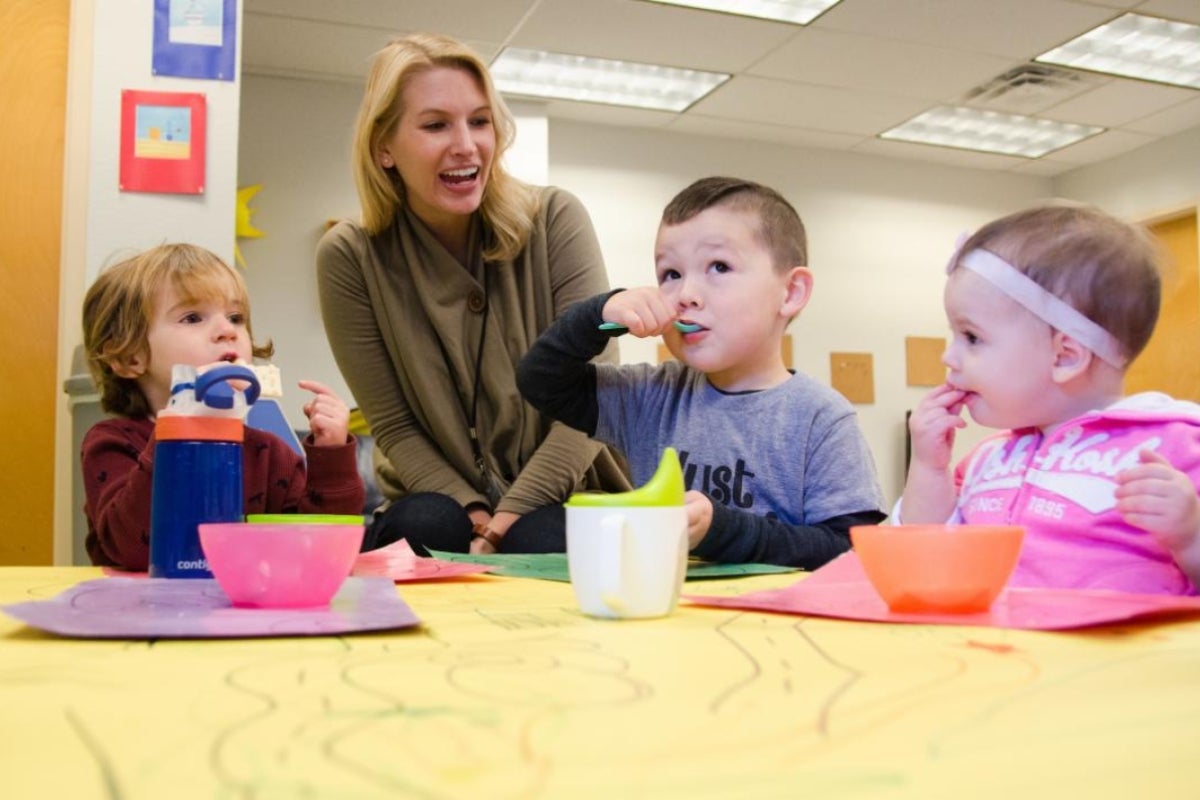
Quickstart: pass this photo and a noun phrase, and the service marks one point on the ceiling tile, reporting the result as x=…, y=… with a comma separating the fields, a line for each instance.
x=855, y=61
x=607, y=115
x=1117, y=102
x=649, y=32
x=270, y=46
x=1172, y=120
x=1182, y=10
x=1102, y=146
x=802, y=106
x=464, y=19
x=939, y=155
x=1015, y=28
x=860, y=68
x=1044, y=167
x=732, y=129
x=1118, y=4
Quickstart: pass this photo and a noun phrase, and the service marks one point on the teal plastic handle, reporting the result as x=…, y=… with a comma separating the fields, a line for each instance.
x=682, y=327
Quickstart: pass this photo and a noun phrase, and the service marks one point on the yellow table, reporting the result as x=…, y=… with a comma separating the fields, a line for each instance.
x=508, y=692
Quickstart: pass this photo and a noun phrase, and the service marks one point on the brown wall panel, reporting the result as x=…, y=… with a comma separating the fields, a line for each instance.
x=33, y=81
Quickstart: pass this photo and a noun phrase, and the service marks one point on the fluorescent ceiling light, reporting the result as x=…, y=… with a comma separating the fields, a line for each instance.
x=1136, y=46
x=599, y=80
x=973, y=129
x=800, y=12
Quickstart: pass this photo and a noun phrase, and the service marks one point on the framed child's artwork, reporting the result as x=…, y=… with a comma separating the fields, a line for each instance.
x=162, y=142
x=195, y=38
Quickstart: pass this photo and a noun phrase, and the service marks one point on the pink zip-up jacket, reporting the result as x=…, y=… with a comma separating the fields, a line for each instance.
x=1060, y=487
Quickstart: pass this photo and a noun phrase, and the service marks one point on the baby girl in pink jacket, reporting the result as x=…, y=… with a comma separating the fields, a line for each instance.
x=1047, y=308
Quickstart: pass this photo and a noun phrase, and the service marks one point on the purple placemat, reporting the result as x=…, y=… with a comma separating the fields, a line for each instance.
x=164, y=608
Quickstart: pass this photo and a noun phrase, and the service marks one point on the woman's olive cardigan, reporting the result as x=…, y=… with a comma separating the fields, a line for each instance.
x=404, y=320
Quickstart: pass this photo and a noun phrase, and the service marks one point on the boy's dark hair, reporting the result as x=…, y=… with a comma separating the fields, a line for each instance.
x=119, y=306
x=1107, y=269
x=779, y=226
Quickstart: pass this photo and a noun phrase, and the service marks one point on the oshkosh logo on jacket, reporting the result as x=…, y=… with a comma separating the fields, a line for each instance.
x=1061, y=486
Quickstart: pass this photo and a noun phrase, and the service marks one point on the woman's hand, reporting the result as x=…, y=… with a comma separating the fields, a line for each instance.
x=328, y=416
x=481, y=547
x=495, y=525
x=644, y=311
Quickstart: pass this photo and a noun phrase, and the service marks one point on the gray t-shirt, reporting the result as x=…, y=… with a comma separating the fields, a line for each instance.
x=793, y=452
x=787, y=468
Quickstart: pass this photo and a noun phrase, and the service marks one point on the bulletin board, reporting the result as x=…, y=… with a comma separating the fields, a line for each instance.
x=853, y=374
x=923, y=359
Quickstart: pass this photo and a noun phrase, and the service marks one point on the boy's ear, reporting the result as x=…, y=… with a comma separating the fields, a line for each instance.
x=1071, y=359
x=130, y=367
x=796, y=292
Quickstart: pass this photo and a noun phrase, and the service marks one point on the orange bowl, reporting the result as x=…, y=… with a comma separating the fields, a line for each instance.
x=292, y=565
x=958, y=569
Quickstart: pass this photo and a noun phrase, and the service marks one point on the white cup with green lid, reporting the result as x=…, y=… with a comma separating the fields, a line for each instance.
x=627, y=552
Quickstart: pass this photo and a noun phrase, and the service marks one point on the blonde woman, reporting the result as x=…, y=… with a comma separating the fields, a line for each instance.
x=432, y=298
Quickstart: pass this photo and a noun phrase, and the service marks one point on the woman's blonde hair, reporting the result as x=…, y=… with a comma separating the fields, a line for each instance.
x=119, y=307
x=508, y=205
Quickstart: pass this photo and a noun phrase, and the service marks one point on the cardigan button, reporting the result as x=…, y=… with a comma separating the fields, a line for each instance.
x=475, y=301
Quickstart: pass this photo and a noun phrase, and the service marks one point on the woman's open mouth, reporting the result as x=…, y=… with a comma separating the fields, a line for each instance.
x=457, y=177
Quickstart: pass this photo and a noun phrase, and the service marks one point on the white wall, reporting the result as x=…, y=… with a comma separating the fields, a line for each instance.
x=1162, y=178
x=296, y=138
x=121, y=223
x=880, y=231
x=296, y=143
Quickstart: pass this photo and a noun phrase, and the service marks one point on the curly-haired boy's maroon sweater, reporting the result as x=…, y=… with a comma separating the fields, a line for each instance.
x=118, y=465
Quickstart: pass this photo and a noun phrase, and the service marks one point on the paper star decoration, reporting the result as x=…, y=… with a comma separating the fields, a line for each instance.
x=242, y=228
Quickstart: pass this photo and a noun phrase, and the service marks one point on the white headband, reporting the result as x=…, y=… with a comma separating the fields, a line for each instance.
x=1045, y=306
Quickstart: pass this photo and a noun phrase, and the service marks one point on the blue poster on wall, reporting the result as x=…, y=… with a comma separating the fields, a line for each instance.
x=195, y=38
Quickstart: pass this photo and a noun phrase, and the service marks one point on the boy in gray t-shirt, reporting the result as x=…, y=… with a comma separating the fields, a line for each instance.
x=776, y=466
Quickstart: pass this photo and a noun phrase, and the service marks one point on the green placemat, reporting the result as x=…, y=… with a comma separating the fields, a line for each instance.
x=553, y=566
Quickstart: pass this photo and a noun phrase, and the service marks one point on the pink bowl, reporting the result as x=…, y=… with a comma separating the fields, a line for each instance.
x=294, y=565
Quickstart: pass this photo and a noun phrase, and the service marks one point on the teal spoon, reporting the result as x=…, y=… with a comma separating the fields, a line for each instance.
x=682, y=327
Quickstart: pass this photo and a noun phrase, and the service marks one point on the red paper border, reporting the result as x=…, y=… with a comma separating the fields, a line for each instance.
x=178, y=176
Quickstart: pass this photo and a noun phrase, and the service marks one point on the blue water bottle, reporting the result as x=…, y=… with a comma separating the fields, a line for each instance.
x=197, y=465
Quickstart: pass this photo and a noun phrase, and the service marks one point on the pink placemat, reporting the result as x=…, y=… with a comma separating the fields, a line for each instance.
x=166, y=608
x=841, y=589
x=398, y=562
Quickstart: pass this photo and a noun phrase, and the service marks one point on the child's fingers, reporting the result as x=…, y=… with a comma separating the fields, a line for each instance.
x=1153, y=468
x=315, y=387
x=935, y=422
x=1153, y=457
x=1155, y=492
x=652, y=317
x=947, y=396
x=939, y=403
x=325, y=416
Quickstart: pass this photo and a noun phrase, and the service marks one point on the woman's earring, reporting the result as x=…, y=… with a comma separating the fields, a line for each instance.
x=385, y=161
